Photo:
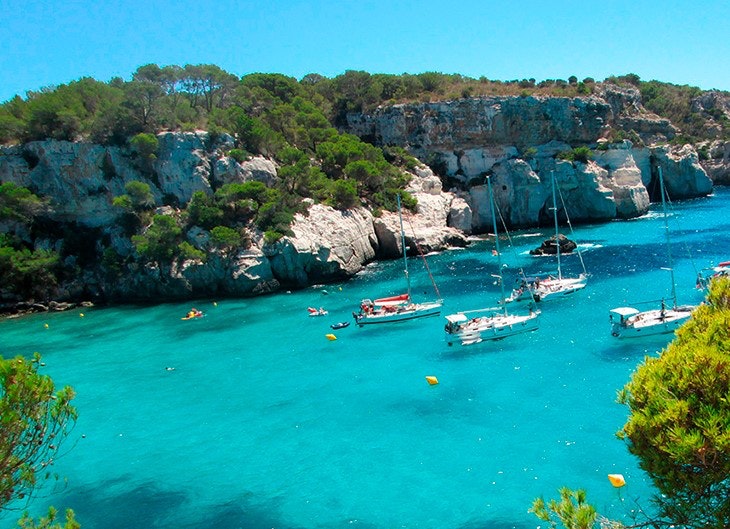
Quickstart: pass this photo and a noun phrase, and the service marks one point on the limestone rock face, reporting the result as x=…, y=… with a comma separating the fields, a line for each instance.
x=257, y=168
x=460, y=215
x=627, y=113
x=717, y=166
x=430, y=228
x=713, y=106
x=244, y=273
x=72, y=174
x=684, y=177
x=183, y=166
x=624, y=178
x=472, y=135
x=327, y=244
x=517, y=140
x=524, y=196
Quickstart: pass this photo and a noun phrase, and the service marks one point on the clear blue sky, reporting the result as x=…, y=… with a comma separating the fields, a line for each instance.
x=54, y=42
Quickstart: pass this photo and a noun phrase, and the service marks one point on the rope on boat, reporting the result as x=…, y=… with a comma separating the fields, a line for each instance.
x=577, y=247
x=522, y=275
x=423, y=258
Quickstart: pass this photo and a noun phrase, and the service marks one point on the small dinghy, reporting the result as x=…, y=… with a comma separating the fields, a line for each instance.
x=340, y=325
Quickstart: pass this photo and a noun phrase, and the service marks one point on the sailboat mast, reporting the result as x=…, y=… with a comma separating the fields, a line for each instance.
x=496, y=241
x=666, y=233
x=403, y=245
x=555, y=217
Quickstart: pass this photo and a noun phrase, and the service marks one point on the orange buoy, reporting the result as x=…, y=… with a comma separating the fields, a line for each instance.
x=432, y=380
x=617, y=480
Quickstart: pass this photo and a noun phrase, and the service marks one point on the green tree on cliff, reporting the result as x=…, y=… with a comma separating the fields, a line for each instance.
x=160, y=241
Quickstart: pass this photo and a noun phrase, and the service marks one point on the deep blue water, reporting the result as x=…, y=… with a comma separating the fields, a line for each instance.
x=265, y=423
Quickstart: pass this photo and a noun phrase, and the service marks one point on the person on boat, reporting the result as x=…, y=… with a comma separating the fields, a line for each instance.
x=663, y=312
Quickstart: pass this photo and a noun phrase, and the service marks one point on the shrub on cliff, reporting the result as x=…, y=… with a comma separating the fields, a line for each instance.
x=344, y=194
x=26, y=273
x=225, y=237
x=140, y=194
x=160, y=241
x=578, y=154
x=202, y=211
x=18, y=203
x=145, y=145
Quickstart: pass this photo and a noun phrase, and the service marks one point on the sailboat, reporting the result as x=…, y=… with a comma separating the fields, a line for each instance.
x=706, y=275
x=470, y=327
x=551, y=287
x=629, y=322
x=400, y=307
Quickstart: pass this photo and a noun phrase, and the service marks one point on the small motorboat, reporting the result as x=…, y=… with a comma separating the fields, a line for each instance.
x=317, y=312
x=340, y=325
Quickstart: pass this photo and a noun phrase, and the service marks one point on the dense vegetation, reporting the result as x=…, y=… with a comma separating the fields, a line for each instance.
x=267, y=112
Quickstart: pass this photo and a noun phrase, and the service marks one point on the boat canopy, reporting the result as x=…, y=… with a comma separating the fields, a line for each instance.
x=623, y=312
x=456, y=318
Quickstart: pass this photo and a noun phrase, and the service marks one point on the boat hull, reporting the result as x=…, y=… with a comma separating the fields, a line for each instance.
x=549, y=290
x=490, y=328
x=651, y=322
x=411, y=312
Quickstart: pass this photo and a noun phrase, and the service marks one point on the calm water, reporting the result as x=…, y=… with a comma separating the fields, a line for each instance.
x=264, y=423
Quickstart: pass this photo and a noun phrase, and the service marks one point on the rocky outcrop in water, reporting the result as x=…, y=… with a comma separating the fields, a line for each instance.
x=549, y=246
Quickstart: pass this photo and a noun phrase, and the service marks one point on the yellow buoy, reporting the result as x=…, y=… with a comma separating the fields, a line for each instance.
x=331, y=337
x=45, y=325
x=432, y=380
x=215, y=303
x=81, y=314
x=617, y=480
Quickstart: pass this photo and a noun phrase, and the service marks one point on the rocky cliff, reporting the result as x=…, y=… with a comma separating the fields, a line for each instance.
x=81, y=180
x=521, y=142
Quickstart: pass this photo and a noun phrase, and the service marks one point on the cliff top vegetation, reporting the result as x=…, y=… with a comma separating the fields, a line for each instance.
x=268, y=111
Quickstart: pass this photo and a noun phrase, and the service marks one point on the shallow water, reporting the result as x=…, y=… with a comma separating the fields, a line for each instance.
x=252, y=418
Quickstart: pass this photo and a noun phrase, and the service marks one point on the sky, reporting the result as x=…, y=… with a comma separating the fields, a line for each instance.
x=48, y=43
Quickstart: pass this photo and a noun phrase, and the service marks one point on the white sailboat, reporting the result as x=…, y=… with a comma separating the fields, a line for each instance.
x=552, y=286
x=706, y=275
x=398, y=308
x=629, y=322
x=474, y=326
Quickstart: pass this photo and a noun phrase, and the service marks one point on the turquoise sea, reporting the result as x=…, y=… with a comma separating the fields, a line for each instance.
x=251, y=418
